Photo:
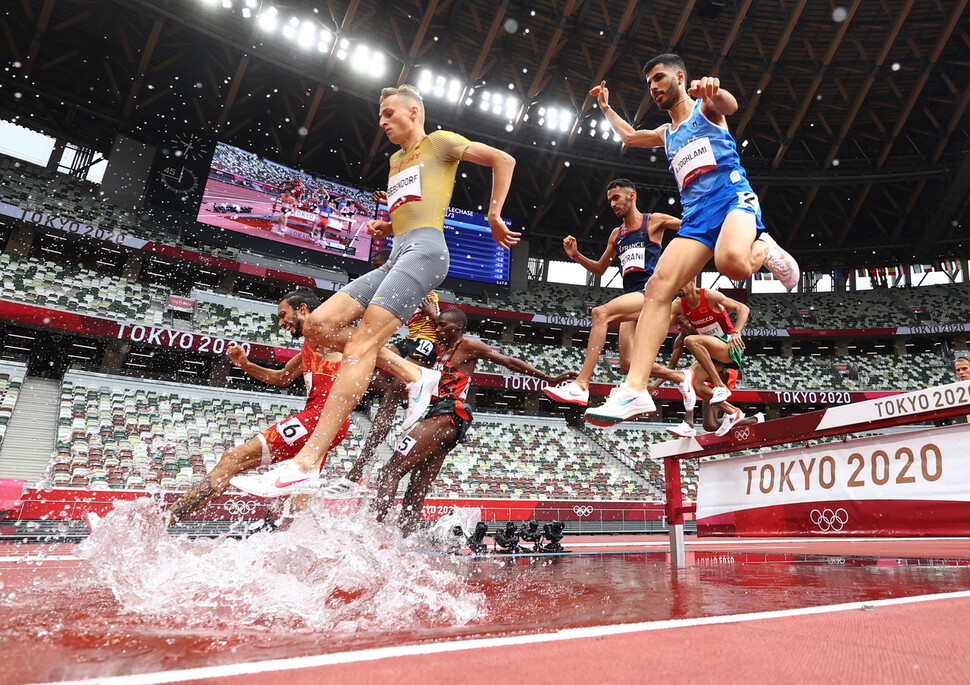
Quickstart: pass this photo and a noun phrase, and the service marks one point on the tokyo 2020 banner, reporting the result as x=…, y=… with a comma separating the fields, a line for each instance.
x=915, y=483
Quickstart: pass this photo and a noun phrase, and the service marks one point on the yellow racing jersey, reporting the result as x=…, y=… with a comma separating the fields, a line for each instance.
x=421, y=180
x=420, y=325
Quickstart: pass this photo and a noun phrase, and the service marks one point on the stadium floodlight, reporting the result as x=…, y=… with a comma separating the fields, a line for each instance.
x=227, y=4
x=289, y=31
x=252, y=4
x=247, y=13
x=326, y=39
x=455, y=90
x=367, y=61
x=511, y=108
x=267, y=19
x=308, y=34
x=425, y=81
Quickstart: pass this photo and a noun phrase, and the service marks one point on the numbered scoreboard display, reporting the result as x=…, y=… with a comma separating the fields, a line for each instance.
x=474, y=255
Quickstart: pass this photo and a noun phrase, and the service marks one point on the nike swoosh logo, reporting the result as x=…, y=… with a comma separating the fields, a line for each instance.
x=625, y=402
x=281, y=484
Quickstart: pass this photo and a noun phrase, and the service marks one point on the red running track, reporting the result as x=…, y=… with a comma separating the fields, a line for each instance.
x=758, y=610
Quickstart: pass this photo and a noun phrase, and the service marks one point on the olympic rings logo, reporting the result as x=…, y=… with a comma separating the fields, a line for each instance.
x=582, y=512
x=828, y=520
x=742, y=433
x=239, y=507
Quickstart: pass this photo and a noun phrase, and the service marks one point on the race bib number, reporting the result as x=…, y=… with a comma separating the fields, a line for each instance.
x=692, y=160
x=404, y=187
x=291, y=430
x=633, y=259
x=406, y=445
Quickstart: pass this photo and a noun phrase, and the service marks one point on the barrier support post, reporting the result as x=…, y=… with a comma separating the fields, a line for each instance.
x=674, y=510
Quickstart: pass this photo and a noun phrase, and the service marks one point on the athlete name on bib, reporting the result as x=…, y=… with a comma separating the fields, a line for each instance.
x=711, y=329
x=692, y=160
x=632, y=259
x=404, y=187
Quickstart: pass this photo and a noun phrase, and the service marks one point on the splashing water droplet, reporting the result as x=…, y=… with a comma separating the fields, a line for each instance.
x=327, y=571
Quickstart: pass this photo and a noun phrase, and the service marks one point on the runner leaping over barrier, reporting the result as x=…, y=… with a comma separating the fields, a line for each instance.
x=906, y=408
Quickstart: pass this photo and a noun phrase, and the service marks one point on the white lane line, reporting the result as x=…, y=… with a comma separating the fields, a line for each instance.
x=275, y=665
x=39, y=559
x=751, y=542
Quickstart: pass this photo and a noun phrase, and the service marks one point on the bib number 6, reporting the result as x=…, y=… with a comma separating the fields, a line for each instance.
x=291, y=430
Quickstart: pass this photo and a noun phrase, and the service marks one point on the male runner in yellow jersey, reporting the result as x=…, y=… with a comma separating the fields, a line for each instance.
x=420, y=346
x=419, y=187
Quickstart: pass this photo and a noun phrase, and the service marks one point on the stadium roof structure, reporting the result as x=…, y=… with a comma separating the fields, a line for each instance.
x=853, y=120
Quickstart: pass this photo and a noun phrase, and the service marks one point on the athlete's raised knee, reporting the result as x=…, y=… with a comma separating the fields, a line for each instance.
x=735, y=266
x=693, y=344
x=601, y=315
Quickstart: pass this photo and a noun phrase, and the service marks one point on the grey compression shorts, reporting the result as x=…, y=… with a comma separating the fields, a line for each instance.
x=417, y=265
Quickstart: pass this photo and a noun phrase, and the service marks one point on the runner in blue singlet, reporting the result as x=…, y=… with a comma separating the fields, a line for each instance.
x=721, y=219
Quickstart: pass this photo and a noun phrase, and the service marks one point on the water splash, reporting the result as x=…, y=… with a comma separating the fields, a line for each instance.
x=326, y=571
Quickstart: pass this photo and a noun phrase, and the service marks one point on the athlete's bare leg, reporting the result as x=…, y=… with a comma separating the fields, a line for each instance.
x=328, y=328
x=625, y=309
x=430, y=437
x=422, y=478
x=681, y=261
x=706, y=350
x=361, y=352
x=231, y=464
x=394, y=396
x=737, y=254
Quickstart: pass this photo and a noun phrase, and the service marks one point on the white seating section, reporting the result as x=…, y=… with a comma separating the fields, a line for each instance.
x=115, y=433
x=84, y=291
x=11, y=379
x=532, y=461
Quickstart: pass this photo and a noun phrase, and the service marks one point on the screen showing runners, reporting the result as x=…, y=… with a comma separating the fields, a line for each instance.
x=474, y=255
x=258, y=197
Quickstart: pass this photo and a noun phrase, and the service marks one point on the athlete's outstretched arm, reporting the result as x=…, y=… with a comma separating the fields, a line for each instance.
x=741, y=313
x=598, y=267
x=280, y=377
x=718, y=103
x=502, y=165
x=629, y=135
x=483, y=351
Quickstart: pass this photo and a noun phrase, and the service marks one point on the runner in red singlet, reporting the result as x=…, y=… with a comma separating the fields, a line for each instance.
x=718, y=346
x=284, y=439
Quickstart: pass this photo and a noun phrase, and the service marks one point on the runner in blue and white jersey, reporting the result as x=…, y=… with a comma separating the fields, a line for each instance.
x=721, y=214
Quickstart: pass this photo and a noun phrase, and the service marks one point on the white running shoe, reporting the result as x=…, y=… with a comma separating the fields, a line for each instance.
x=93, y=521
x=780, y=263
x=340, y=489
x=719, y=394
x=568, y=393
x=622, y=404
x=728, y=422
x=285, y=479
x=683, y=430
x=686, y=388
x=419, y=397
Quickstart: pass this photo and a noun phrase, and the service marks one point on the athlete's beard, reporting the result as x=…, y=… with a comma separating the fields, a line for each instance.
x=297, y=327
